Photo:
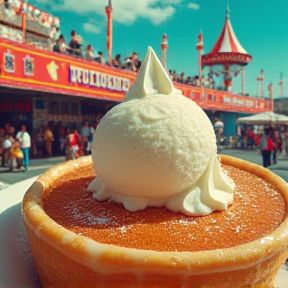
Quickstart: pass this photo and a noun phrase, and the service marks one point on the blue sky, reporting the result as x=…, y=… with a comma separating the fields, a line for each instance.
x=261, y=26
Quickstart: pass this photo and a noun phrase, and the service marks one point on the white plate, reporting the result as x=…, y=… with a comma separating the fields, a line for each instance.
x=16, y=263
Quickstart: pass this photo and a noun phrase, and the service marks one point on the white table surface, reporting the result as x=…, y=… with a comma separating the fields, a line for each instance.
x=16, y=264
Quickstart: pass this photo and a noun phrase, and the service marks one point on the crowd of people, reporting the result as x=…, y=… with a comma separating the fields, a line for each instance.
x=130, y=63
x=75, y=141
x=270, y=141
x=51, y=140
x=14, y=147
x=75, y=48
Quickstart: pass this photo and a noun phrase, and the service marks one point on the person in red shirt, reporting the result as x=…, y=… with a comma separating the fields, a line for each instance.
x=258, y=137
x=72, y=140
x=251, y=138
x=278, y=146
x=75, y=141
x=266, y=145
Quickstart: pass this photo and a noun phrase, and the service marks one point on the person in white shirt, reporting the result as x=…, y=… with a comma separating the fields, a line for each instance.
x=85, y=134
x=25, y=142
x=219, y=128
x=89, y=52
x=90, y=138
x=85, y=129
x=7, y=144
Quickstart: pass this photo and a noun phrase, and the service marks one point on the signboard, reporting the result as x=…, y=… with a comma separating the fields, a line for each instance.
x=47, y=71
x=93, y=78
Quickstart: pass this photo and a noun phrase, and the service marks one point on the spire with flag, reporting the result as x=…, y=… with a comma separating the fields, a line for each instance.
x=227, y=53
x=199, y=47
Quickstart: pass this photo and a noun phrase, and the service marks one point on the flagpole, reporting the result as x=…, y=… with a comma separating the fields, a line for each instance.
x=262, y=83
x=108, y=10
x=270, y=89
x=164, y=46
x=199, y=47
x=22, y=13
x=23, y=23
x=243, y=81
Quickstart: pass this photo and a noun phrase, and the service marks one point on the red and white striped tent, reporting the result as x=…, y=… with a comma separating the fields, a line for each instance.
x=227, y=49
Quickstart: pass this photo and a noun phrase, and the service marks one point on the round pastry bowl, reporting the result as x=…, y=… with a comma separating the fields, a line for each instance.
x=65, y=259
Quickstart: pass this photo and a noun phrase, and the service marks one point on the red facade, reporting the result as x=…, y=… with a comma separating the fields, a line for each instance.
x=29, y=68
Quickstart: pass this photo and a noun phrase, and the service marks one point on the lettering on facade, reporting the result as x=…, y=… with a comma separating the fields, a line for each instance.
x=249, y=103
x=238, y=102
x=226, y=99
x=9, y=62
x=28, y=66
x=97, y=79
x=259, y=105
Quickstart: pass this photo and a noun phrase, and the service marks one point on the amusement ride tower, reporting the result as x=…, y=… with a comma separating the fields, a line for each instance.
x=228, y=57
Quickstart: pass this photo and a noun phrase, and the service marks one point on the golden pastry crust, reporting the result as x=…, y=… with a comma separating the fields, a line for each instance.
x=63, y=257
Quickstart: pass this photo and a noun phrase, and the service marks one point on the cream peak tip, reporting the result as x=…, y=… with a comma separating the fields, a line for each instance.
x=151, y=79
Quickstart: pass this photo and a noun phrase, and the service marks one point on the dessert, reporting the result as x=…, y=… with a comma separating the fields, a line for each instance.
x=134, y=235
x=158, y=148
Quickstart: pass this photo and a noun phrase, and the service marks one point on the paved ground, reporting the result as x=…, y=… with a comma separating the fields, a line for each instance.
x=281, y=168
x=39, y=166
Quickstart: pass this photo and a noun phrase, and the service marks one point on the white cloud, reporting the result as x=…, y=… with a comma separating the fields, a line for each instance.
x=172, y=1
x=194, y=6
x=41, y=1
x=124, y=11
x=91, y=27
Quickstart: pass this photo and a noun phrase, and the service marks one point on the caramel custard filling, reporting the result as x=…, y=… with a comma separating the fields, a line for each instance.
x=256, y=211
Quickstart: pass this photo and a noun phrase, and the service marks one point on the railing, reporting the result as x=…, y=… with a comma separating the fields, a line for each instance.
x=36, y=27
x=16, y=21
x=221, y=100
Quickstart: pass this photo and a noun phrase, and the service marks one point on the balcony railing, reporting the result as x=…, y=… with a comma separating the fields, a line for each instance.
x=36, y=27
x=5, y=17
x=9, y=17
